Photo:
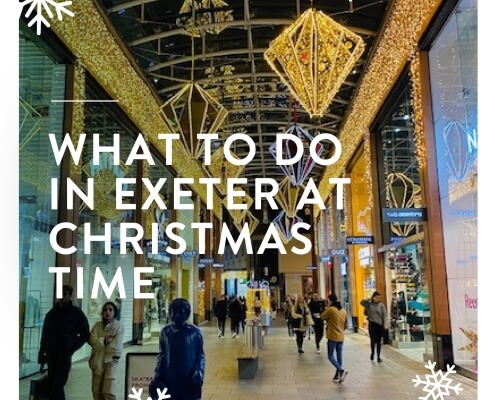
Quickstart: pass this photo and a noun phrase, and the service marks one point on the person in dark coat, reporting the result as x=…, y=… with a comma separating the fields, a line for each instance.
x=181, y=361
x=317, y=306
x=65, y=330
x=235, y=313
x=221, y=314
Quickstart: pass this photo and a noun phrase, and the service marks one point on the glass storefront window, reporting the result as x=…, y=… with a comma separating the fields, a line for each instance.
x=100, y=118
x=409, y=304
x=453, y=69
x=398, y=166
x=163, y=279
x=40, y=81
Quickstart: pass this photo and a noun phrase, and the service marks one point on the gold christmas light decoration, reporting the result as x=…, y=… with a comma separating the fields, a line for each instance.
x=221, y=168
x=239, y=215
x=287, y=196
x=250, y=219
x=313, y=57
x=204, y=15
x=191, y=111
x=402, y=192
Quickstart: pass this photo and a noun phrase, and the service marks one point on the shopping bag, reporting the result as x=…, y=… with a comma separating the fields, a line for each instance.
x=39, y=389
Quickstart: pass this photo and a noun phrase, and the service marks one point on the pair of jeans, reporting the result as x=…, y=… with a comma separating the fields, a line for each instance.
x=333, y=347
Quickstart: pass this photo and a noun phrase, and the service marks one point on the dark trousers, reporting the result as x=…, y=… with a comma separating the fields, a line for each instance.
x=376, y=334
x=221, y=326
x=318, y=329
x=58, y=373
x=234, y=324
x=289, y=327
x=299, y=339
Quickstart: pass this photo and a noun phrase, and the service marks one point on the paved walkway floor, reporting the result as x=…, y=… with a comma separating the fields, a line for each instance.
x=284, y=374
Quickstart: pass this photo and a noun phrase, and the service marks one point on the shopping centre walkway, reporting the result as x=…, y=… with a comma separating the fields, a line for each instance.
x=284, y=374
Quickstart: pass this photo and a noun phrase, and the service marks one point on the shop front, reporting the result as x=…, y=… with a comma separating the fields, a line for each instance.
x=452, y=64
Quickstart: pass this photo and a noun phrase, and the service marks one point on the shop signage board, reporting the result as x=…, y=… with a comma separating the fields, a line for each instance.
x=311, y=267
x=338, y=252
x=360, y=240
x=217, y=265
x=403, y=214
x=139, y=371
x=206, y=261
x=189, y=254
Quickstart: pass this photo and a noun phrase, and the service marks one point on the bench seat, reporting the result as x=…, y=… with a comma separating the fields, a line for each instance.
x=247, y=362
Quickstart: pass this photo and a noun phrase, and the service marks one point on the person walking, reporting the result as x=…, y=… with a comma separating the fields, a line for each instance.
x=235, y=313
x=106, y=340
x=289, y=304
x=336, y=318
x=65, y=330
x=301, y=319
x=221, y=314
x=180, y=366
x=316, y=307
x=376, y=312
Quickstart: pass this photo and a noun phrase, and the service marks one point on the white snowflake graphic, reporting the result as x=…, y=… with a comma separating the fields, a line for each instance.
x=46, y=5
x=162, y=394
x=437, y=385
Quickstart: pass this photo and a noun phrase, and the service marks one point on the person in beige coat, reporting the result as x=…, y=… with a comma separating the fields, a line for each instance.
x=301, y=319
x=106, y=340
x=336, y=319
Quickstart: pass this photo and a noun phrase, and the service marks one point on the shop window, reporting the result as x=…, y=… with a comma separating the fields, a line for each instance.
x=398, y=167
x=40, y=81
x=453, y=68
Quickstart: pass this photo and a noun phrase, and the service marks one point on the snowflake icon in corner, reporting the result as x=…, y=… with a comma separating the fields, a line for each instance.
x=438, y=384
x=38, y=6
x=162, y=394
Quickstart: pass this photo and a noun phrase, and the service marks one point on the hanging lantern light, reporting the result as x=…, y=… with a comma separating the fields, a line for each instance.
x=284, y=224
x=299, y=171
x=191, y=111
x=249, y=219
x=313, y=57
x=287, y=196
x=221, y=168
x=239, y=215
x=204, y=15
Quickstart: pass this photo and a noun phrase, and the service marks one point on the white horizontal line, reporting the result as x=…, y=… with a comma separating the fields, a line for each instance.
x=85, y=101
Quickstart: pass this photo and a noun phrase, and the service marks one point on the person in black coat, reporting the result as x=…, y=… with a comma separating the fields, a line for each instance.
x=235, y=313
x=65, y=330
x=221, y=314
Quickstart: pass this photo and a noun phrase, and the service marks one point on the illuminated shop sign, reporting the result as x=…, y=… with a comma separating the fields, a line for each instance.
x=206, y=260
x=403, y=214
x=338, y=252
x=360, y=239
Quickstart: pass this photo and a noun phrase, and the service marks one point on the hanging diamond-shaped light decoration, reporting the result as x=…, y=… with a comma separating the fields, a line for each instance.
x=298, y=172
x=250, y=219
x=313, y=57
x=284, y=224
x=287, y=196
x=402, y=192
x=239, y=215
x=191, y=111
x=204, y=15
x=221, y=168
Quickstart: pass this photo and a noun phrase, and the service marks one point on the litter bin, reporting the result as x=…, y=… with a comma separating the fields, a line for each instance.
x=253, y=334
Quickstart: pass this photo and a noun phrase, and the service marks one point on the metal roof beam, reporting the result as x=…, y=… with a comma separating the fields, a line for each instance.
x=127, y=5
x=261, y=22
